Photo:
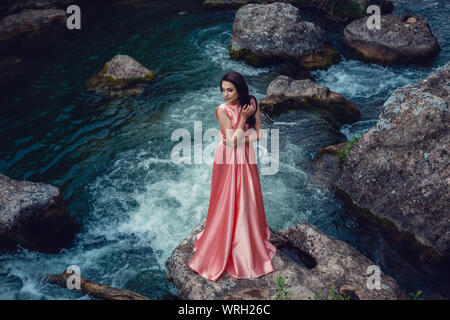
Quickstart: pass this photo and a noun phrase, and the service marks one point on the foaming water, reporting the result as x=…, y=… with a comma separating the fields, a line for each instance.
x=368, y=85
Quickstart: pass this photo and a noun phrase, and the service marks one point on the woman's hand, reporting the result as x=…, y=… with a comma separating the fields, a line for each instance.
x=248, y=110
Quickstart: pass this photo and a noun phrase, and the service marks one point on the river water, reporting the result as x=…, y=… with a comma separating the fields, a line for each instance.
x=111, y=158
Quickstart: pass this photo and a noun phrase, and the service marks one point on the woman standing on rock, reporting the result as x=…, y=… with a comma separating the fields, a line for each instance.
x=236, y=235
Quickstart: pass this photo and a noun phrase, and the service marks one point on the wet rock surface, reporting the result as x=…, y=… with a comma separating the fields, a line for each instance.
x=400, y=39
x=285, y=93
x=398, y=170
x=272, y=33
x=122, y=74
x=34, y=216
x=311, y=263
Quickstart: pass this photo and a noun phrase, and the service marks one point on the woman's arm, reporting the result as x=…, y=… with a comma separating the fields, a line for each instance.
x=257, y=134
x=231, y=136
x=258, y=127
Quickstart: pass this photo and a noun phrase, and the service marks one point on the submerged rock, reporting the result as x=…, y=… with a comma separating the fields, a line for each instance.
x=310, y=262
x=122, y=74
x=285, y=93
x=11, y=68
x=34, y=216
x=272, y=33
x=401, y=39
x=397, y=175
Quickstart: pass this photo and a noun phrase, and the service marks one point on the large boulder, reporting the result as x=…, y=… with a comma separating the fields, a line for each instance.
x=30, y=24
x=398, y=175
x=337, y=11
x=122, y=74
x=311, y=263
x=34, y=216
x=272, y=33
x=285, y=93
x=12, y=7
x=401, y=39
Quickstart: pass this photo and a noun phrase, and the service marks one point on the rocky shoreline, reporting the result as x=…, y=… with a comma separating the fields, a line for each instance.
x=398, y=173
x=310, y=262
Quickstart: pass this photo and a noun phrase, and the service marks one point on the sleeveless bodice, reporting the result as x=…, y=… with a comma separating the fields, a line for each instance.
x=234, y=113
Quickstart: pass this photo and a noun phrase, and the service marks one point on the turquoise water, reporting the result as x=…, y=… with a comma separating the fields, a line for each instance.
x=111, y=158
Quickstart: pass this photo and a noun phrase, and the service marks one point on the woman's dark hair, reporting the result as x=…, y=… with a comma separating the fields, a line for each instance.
x=242, y=89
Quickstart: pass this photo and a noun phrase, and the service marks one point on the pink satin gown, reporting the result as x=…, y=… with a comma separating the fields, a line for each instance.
x=236, y=235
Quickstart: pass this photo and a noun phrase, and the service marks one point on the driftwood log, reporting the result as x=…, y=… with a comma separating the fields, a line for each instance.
x=95, y=289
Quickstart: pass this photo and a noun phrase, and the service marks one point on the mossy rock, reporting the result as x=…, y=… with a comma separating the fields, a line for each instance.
x=339, y=150
x=321, y=58
x=252, y=58
x=345, y=8
x=335, y=111
x=100, y=78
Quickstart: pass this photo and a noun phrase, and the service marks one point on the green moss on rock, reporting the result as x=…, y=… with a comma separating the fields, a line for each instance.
x=345, y=8
x=100, y=77
x=342, y=155
x=321, y=58
x=252, y=58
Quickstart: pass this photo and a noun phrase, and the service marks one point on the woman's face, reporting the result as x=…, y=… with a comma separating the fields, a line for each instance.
x=229, y=92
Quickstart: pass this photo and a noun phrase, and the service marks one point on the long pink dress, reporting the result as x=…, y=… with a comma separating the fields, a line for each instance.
x=236, y=235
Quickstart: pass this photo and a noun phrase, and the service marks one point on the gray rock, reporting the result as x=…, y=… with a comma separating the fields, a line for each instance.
x=332, y=10
x=270, y=33
x=232, y=4
x=310, y=262
x=122, y=74
x=401, y=39
x=285, y=93
x=19, y=5
x=34, y=216
x=29, y=23
x=398, y=172
x=125, y=67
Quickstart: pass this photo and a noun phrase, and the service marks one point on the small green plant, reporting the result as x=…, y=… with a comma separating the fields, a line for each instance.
x=346, y=296
x=282, y=293
x=316, y=296
x=334, y=295
x=343, y=155
x=415, y=296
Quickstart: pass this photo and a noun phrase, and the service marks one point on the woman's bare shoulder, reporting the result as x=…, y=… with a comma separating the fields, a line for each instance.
x=224, y=110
